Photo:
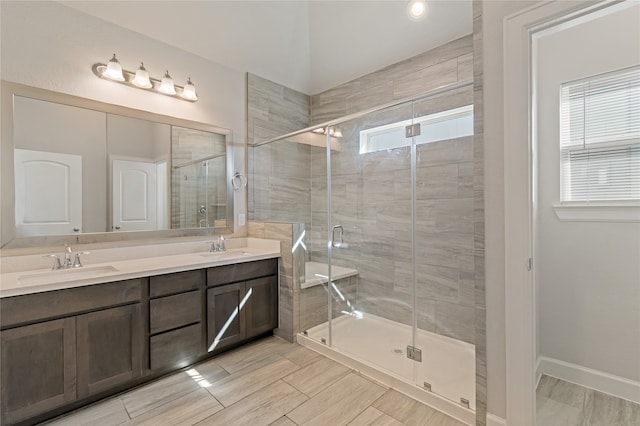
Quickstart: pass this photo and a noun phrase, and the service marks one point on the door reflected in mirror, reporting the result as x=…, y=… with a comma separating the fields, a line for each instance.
x=80, y=170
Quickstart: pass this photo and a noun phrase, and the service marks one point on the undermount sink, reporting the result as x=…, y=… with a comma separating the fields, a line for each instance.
x=61, y=275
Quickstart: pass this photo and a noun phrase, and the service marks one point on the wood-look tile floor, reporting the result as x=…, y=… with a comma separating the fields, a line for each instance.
x=268, y=382
x=560, y=403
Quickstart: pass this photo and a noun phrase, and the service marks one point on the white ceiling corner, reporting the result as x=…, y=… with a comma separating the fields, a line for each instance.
x=307, y=45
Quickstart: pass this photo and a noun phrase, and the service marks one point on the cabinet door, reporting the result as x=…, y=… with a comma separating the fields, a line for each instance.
x=262, y=305
x=109, y=348
x=38, y=368
x=225, y=316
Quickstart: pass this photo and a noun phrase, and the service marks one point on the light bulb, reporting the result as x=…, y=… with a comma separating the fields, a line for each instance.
x=167, y=86
x=142, y=78
x=417, y=9
x=189, y=91
x=114, y=70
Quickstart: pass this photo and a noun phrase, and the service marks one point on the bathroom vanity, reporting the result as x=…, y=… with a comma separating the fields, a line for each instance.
x=66, y=343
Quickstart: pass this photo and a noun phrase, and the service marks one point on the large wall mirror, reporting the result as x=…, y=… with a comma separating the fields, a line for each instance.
x=77, y=167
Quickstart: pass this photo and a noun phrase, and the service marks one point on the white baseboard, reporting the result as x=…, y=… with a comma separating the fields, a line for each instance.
x=493, y=420
x=593, y=379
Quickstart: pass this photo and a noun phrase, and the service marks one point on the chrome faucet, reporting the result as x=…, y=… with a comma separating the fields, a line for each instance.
x=67, y=263
x=68, y=253
x=218, y=245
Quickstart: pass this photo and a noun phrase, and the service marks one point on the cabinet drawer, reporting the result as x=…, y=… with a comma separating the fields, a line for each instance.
x=162, y=285
x=170, y=312
x=241, y=271
x=174, y=349
x=38, y=306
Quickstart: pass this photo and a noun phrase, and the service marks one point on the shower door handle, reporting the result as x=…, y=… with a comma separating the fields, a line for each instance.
x=334, y=241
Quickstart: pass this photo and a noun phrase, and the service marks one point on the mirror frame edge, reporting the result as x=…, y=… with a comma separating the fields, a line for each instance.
x=8, y=239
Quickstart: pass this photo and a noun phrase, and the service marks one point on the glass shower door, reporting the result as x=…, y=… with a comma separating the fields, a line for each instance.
x=444, y=245
x=369, y=240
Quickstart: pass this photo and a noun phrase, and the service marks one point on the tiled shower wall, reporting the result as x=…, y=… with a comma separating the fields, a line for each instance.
x=371, y=193
x=464, y=309
x=279, y=177
x=371, y=199
x=478, y=216
x=439, y=67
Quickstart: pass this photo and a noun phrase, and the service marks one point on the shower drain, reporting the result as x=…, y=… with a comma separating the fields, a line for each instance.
x=398, y=351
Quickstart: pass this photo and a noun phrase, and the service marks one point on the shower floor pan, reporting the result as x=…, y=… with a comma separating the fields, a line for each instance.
x=378, y=348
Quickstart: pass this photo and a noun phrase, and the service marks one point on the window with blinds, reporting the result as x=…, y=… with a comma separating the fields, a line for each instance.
x=600, y=138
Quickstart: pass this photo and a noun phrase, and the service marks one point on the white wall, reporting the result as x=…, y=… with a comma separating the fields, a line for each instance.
x=587, y=273
x=51, y=46
x=493, y=13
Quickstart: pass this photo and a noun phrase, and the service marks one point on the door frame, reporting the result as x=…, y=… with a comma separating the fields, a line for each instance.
x=520, y=302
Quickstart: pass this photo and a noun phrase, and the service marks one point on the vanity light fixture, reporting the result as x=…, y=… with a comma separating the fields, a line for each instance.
x=141, y=80
x=189, y=91
x=417, y=9
x=167, y=87
x=113, y=69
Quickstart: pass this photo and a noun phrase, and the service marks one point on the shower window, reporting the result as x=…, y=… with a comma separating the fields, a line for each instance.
x=445, y=125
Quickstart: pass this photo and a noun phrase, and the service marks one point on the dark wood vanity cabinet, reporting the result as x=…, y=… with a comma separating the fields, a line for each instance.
x=65, y=348
x=242, y=303
x=48, y=362
x=38, y=368
x=226, y=327
x=109, y=348
x=176, y=313
x=262, y=306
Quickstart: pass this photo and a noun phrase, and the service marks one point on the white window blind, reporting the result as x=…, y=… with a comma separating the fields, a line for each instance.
x=600, y=138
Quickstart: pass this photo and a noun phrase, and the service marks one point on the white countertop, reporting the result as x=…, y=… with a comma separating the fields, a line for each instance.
x=111, y=267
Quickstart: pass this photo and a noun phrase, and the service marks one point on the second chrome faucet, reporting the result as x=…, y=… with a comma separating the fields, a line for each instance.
x=69, y=261
x=218, y=245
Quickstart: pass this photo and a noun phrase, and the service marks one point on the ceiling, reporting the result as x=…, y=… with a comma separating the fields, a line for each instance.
x=307, y=45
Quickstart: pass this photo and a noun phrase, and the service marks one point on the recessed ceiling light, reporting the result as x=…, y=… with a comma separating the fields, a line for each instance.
x=417, y=9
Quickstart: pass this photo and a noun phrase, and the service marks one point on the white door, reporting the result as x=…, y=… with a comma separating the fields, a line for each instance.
x=134, y=196
x=48, y=193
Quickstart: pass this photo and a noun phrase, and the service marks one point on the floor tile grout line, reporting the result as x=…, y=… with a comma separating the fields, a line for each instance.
x=385, y=412
x=322, y=389
x=254, y=369
x=257, y=390
x=290, y=419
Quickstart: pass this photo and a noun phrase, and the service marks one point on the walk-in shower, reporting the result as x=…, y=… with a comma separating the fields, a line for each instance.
x=386, y=198
x=198, y=179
